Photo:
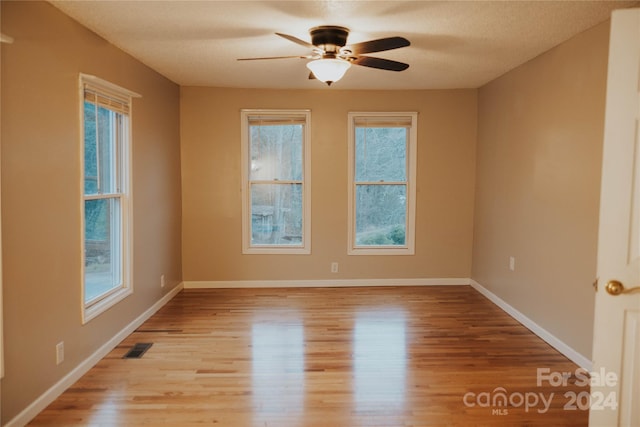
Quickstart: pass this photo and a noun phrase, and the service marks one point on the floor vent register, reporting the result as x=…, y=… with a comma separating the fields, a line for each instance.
x=138, y=350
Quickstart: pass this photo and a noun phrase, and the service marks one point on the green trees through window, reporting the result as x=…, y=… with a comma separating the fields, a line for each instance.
x=276, y=203
x=382, y=155
x=102, y=211
x=381, y=180
x=276, y=184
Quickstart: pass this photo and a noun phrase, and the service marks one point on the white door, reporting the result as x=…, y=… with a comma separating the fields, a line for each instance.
x=615, y=391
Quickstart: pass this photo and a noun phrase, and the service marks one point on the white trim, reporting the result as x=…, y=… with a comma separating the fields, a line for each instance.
x=545, y=335
x=247, y=247
x=411, y=183
x=104, y=304
x=339, y=283
x=68, y=380
x=108, y=86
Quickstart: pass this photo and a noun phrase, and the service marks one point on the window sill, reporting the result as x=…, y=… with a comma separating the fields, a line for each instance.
x=276, y=251
x=104, y=304
x=381, y=251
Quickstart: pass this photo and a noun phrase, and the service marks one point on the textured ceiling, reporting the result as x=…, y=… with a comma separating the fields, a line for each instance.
x=454, y=44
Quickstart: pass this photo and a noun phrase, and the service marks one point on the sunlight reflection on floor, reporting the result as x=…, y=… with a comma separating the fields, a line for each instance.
x=379, y=360
x=277, y=366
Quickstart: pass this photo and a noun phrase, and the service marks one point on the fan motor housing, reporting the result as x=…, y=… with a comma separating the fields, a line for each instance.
x=330, y=38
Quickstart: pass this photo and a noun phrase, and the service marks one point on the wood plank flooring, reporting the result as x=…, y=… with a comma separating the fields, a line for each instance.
x=392, y=356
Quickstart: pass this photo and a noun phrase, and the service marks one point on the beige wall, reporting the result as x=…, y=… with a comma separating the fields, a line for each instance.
x=210, y=129
x=41, y=194
x=540, y=131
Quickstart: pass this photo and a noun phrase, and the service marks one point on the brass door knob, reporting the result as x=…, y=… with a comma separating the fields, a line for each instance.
x=614, y=287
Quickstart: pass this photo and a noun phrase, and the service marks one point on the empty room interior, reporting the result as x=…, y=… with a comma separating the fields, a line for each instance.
x=405, y=244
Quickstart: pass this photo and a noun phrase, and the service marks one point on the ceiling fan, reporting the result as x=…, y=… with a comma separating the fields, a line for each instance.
x=332, y=57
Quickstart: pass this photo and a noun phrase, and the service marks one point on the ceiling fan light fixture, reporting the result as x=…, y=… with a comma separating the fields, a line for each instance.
x=328, y=70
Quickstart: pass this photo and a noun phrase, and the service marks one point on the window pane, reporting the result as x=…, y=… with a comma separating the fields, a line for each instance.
x=381, y=215
x=106, y=150
x=276, y=152
x=276, y=214
x=381, y=154
x=102, y=247
x=100, y=149
x=90, y=159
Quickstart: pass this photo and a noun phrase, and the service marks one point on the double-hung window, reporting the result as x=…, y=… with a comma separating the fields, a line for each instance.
x=106, y=210
x=382, y=183
x=276, y=188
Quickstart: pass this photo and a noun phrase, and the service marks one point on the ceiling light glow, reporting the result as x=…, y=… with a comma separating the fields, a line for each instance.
x=328, y=70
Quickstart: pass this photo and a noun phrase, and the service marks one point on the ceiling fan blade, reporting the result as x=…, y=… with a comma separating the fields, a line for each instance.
x=380, y=63
x=297, y=40
x=379, y=45
x=312, y=76
x=277, y=57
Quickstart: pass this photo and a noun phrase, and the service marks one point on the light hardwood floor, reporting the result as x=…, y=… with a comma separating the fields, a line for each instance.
x=393, y=356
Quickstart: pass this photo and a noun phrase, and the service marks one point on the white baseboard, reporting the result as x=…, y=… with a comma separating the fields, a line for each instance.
x=333, y=283
x=547, y=336
x=68, y=380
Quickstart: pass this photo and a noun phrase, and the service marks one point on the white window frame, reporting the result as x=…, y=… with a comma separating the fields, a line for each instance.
x=412, y=147
x=247, y=247
x=98, y=305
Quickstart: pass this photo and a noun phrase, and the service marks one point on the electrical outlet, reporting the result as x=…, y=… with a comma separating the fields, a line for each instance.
x=60, y=352
x=334, y=267
x=512, y=263
x=162, y=281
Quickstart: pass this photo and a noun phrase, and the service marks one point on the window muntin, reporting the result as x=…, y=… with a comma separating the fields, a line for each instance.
x=276, y=189
x=382, y=151
x=106, y=195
